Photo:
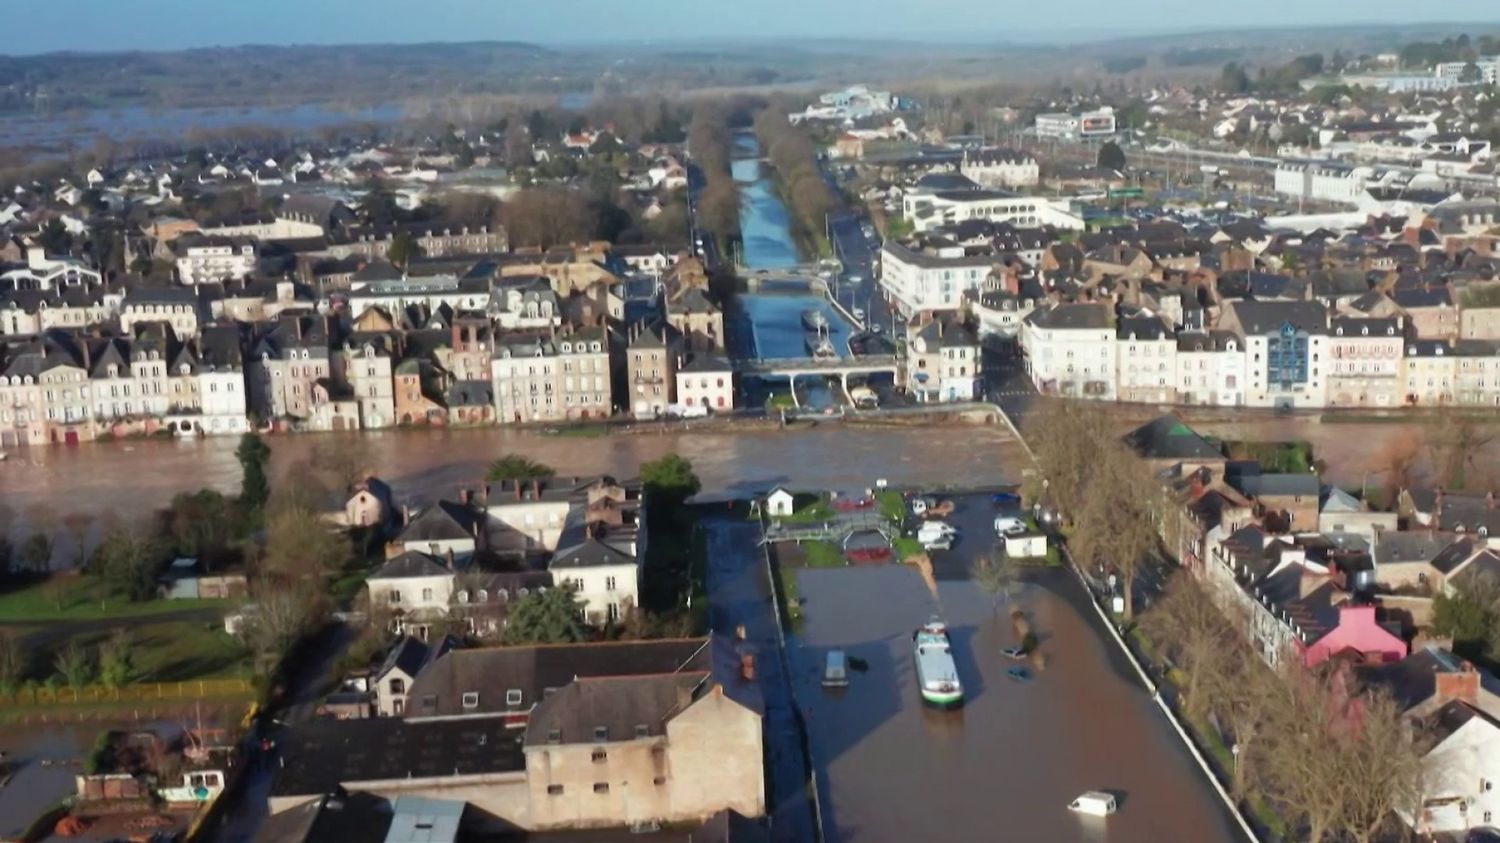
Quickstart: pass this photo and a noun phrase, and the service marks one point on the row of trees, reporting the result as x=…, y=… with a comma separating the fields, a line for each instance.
x=1333, y=760
x=803, y=189
x=1106, y=496
x=711, y=145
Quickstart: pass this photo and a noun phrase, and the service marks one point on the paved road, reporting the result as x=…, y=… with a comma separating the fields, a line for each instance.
x=739, y=592
x=243, y=818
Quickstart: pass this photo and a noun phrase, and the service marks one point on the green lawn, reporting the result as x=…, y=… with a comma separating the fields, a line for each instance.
x=822, y=554
x=814, y=511
x=892, y=505
x=86, y=599
x=906, y=547
x=171, y=651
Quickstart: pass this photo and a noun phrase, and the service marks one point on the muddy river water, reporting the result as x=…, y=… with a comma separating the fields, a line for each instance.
x=1007, y=764
x=129, y=479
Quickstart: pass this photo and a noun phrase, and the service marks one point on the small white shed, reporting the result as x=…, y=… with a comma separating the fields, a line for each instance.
x=1026, y=546
x=779, y=503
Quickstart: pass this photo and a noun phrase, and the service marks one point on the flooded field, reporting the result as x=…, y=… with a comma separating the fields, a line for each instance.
x=131, y=479
x=1006, y=765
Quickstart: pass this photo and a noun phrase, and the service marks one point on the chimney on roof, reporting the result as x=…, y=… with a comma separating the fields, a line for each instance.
x=1462, y=684
x=1489, y=500
x=747, y=666
x=463, y=495
x=448, y=559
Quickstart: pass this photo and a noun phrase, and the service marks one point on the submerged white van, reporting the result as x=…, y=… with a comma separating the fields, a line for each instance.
x=1095, y=803
x=835, y=670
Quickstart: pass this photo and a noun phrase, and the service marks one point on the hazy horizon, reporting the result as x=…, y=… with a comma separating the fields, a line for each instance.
x=107, y=25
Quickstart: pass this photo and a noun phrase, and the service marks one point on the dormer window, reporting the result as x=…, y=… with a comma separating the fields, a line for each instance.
x=513, y=696
x=601, y=733
x=470, y=700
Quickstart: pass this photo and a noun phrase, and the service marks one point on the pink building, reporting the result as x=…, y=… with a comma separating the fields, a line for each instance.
x=1357, y=633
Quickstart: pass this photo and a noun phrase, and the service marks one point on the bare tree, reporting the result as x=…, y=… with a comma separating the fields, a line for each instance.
x=283, y=613
x=12, y=660
x=996, y=576
x=1300, y=766
x=1382, y=758
x=1457, y=437
x=1189, y=629
x=79, y=526
x=301, y=544
x=1116, y=517
x=1399, y=458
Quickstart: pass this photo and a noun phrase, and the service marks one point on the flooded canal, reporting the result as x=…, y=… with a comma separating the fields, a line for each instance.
x=129, y=479
x=764, y=223
x=1006, y=765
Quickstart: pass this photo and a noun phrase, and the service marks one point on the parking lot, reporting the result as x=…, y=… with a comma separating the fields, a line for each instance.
x=1005, y=766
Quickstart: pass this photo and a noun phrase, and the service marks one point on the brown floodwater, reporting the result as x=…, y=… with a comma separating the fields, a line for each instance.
x=1006, y=765
x=134, y=478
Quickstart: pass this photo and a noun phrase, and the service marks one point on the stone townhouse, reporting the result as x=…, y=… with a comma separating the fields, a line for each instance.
x=944, y=364
x=45, y=394
x=577, y=736
x=223, y=394
x=363, y=365
x=1071, y=350
x=1365, y=365
x=175, y=306
x=700, y=322
x=650, y=368
x=286, y=362
x=1146, y=357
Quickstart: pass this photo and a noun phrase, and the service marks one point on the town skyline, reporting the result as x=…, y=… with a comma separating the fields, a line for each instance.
x=168, y=25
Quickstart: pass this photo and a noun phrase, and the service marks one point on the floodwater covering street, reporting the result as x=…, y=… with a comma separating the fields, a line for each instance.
x=739, y=594
x=133, y=479
x=1006, y=765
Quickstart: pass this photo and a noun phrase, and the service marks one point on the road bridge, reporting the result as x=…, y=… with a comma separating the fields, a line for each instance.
x=795, y=367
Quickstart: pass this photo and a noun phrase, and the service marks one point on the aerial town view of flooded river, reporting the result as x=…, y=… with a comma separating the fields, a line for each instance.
x=1006, y=764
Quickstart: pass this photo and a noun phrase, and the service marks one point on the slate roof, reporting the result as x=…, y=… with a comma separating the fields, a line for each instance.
x=613, y=708
x=407, y=655
x=1262, y=485
x=1088, y=315
x=1411, y=680
x=1411, y=546
x=446, y=521
x=492, y=671
x=1165, y=437
x=1265, y=317
x=592, y=553
x=412, y=563
x=320, y=756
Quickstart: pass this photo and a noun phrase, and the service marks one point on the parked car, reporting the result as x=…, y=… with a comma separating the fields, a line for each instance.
x=1006, y=525
x=1005, y=499
x=1019, y=674
x=835, y=673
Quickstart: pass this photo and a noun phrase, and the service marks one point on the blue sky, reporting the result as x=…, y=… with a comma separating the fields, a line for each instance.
x=95, y=25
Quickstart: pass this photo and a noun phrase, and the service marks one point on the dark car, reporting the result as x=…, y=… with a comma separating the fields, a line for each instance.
x=1005, y=499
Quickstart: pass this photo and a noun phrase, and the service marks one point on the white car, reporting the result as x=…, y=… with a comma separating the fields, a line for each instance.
x=1006, y=525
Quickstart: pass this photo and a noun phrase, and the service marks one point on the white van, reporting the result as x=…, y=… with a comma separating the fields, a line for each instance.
x=835, y=670
x=936, y=528
x=1095, y=803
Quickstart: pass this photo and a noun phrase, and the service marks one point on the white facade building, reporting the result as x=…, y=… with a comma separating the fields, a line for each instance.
x=919, y=281
x=1071, y=350
x=927, y=210
x=1083, y=126
x=1000, y=168
x=214, y=259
